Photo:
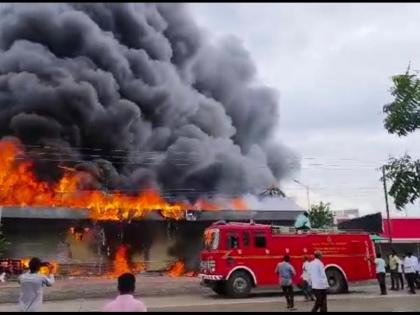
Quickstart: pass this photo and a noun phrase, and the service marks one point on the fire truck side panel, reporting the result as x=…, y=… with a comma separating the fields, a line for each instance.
x=254, y=250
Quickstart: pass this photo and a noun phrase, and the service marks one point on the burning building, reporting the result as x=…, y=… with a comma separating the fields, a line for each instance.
x=115, y=119
x=73, y=240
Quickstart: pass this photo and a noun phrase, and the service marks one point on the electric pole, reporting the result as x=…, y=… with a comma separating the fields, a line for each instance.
x=386, y=205
x=307, y=192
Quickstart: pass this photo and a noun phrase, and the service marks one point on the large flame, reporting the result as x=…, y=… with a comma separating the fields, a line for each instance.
x=120, y=261
x=20, y=187
x=121, y=264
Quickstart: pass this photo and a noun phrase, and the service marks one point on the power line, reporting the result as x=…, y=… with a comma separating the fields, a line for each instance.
x=145, y=152
x=146, y=160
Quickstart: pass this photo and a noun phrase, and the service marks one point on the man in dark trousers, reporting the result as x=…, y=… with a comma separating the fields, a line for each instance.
x=380, y=273
x=395, y=266
x=410, y=266
x=286, y=273
x=319, y=283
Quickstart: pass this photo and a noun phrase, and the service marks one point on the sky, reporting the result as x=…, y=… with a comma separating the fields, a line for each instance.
x=332, y=65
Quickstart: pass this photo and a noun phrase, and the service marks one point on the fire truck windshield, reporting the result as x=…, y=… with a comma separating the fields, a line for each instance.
x=211, y=239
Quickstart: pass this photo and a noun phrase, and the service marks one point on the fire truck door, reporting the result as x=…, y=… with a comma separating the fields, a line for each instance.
x=234, y=248
x=262, y=262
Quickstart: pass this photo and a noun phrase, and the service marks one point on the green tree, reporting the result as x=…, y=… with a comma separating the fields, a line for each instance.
x=402, y=118
x=321, y=215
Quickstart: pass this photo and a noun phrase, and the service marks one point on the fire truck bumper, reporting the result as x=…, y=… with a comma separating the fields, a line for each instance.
x=211, y=277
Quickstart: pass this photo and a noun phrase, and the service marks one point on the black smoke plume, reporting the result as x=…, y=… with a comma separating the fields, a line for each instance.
x=136, y=95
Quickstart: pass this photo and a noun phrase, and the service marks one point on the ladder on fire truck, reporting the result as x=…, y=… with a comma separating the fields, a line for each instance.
x=278, y=229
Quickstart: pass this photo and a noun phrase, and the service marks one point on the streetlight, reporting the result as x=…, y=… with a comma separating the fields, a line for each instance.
x=386, y=205
x=307, y=192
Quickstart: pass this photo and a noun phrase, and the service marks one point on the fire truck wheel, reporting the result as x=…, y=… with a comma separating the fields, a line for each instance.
x=336, y=281
x=239, y=284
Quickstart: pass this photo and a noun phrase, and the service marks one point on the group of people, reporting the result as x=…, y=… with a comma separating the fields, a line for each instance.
x=408, y=266
x=314, y=281
x=32, y=283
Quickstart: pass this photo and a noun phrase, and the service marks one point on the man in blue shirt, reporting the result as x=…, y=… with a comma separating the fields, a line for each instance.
x=286, y=273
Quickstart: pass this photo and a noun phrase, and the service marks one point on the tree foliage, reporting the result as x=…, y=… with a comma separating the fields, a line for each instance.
x=321, y=215
x=404, y=173
x=403, y=114
x=402, y=118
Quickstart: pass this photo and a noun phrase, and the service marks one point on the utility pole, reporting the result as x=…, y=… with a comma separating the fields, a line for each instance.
x=307, y=192
x=386, y=205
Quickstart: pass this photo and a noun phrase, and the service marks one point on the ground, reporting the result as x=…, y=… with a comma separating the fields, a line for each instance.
x=185, y=294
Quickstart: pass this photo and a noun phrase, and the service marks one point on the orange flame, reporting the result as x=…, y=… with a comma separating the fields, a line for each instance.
x=121, y=264
x=45, y=270
x=120, y=261
x=25, y=262
x=20, y=187
x=238, y=204
x=177, y=269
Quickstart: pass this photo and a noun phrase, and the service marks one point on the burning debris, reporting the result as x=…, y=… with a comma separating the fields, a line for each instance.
x=177, y=269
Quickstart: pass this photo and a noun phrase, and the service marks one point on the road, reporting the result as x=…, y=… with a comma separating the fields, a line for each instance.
x=364, y=298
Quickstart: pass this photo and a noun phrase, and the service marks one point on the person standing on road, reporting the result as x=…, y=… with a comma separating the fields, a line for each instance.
x=306, y=281
x=395, y=267
x=286, y=273
x=319, y=283
x=125, y=302
x=31, y=286
x=400, y=277
x=417, y=277
x=380, y=273
x=410, y=266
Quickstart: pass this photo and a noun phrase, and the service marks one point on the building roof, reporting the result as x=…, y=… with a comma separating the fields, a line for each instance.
x=402, y=229
x=213, y=215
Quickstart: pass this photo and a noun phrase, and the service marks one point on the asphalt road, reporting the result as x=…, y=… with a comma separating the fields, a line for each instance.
x=363, y=298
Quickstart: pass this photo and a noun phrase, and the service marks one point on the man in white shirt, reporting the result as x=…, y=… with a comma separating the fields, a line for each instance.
x=400, y=273
x=417, y=277
x=125, y=301
x=306, y=281
x=410, y=265
x=319, y=283
x=31, y=287
x=380, y=273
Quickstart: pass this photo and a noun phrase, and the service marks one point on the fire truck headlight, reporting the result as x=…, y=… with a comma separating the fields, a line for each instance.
x=212, y=265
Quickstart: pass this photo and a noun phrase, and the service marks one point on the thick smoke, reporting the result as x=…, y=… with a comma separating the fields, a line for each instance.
x=136, y=95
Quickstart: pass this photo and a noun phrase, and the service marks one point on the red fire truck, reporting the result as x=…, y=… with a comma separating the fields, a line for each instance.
x=240, y=256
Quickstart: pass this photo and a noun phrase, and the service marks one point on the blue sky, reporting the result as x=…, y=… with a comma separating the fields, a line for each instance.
x=331, y=64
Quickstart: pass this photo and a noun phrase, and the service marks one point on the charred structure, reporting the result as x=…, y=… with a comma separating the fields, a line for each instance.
x=77, y=243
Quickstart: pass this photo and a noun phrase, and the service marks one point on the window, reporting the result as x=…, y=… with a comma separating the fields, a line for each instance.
x=260, y=241
x=232, y=241
x=245, y=238
x=211, y=239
